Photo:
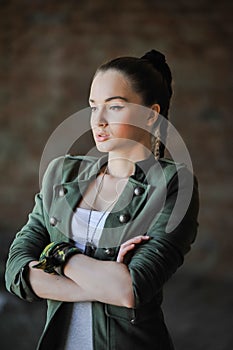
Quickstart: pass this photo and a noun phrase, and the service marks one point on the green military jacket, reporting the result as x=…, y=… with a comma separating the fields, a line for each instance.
x=157, y=201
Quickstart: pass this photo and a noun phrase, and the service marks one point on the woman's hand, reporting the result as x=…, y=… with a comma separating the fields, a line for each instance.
x=129, y=246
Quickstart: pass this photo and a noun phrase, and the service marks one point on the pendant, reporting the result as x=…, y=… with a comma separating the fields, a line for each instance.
x=90, y=249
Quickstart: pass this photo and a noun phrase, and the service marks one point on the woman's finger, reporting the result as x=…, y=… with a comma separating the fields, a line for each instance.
x=123, y=251
x=129, y=245
x=135, y=240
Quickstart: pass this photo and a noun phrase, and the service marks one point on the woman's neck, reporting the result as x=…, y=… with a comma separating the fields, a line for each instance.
x=123, y=166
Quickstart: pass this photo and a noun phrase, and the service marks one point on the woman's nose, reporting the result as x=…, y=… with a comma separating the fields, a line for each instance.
x=99, y=117
x=102, y=124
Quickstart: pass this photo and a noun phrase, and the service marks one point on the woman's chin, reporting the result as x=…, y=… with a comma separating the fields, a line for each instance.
x=103, y=146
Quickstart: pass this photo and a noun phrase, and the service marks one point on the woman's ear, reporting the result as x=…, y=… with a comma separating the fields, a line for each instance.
x=155, y=109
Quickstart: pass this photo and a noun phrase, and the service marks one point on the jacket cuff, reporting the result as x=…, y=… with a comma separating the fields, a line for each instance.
x=22, y=286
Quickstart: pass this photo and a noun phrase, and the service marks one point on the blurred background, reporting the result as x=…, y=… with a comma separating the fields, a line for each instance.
x=49, y=51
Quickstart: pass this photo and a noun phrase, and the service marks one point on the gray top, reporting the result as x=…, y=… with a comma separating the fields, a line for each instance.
x=80, y=329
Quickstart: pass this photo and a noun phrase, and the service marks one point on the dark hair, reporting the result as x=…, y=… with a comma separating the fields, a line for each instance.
x=150, y=76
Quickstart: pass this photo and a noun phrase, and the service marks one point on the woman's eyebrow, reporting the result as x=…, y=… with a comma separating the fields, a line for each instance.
x=112, y=98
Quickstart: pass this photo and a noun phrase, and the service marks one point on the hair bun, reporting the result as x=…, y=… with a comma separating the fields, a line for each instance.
x=156, y=58
x=158, y=61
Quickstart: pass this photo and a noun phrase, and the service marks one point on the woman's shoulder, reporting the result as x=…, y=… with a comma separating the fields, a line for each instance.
x=66, y=168
x=69, y=160
x=170, y=163
x=170, y=166
x=181, y=173
x=174, y=170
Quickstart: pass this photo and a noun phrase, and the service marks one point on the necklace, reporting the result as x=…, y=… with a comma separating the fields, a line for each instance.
x=90, y=247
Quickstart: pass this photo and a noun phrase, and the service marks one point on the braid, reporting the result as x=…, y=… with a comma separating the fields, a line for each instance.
x=156, y=145
x=158, y=137
x=158, y=61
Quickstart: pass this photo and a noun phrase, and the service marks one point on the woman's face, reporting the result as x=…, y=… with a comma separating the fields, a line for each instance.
x=118, y=119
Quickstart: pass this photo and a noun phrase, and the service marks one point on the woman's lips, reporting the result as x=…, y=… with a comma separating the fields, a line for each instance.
x=101, y=137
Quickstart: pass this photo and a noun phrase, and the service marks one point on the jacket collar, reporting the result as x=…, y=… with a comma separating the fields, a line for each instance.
x=90, y=170
x=141, y=167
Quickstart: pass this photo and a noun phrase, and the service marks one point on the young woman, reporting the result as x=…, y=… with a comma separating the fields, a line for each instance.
x=96, y=245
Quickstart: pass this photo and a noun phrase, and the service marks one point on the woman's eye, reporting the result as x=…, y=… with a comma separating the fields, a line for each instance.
x=93, y=108
x=116, y=108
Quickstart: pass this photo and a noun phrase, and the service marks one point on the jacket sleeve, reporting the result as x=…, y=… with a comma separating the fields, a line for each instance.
x=27, y=246
x=155, y=261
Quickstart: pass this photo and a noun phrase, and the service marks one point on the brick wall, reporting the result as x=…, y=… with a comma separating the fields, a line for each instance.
x=49, y=52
